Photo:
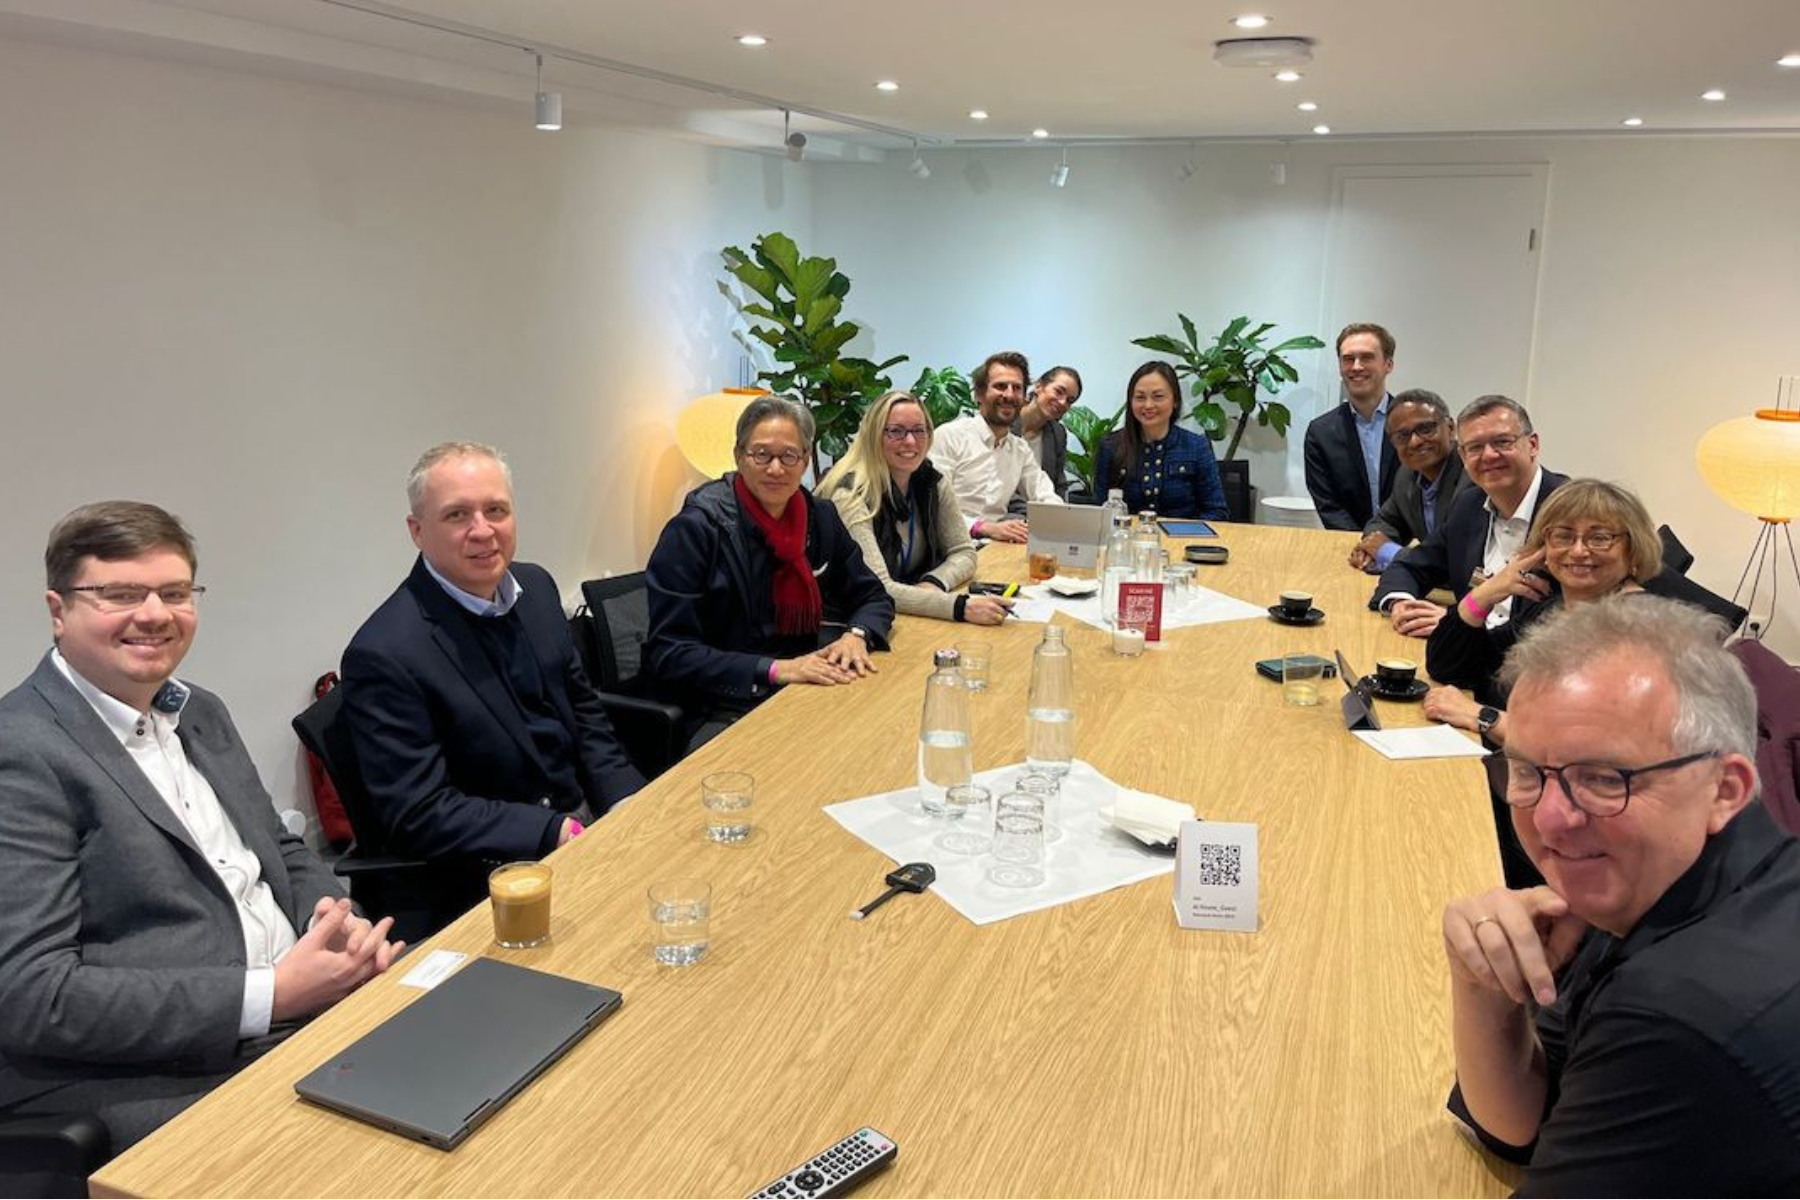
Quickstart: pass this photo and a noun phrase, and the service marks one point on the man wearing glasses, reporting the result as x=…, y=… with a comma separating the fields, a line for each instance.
x=1428, y=482
x=479, y=737
x=158, y=927
x=987, y=463
x=1486, y=525
x=1633, y=1027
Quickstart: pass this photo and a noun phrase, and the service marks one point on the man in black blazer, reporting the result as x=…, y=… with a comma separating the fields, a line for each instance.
x=1428, y=482
x=1486, y=525
x=1347, y=447
x=479, y=737
x=159, y=929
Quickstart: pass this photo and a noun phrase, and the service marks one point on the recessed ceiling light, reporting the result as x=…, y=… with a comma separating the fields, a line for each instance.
x=1040, y=133
x=978, y=114
x=1321, y=129
x=1250, y=21
x=1788, y=60
x=752, y=39
x=1288, y=76
x=1632, y=122
x=887, y=85
x=1307, y=106
x=1713, y=94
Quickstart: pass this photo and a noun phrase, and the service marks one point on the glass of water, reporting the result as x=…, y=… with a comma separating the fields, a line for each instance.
x=971, y=806
x=1047, y=787
x=1017, y=860
x=680, y=913
x=976, y=658
x=728, y=796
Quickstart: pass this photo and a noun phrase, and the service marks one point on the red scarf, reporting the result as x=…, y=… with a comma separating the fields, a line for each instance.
x=798, y=608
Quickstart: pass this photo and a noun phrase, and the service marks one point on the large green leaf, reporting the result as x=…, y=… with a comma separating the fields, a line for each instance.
x=1232, y=331
x=1279, y=417
x=1303, y=342
x=810, y=280
x=778, y=252
x=1211, y=419
x=757, y=279
x=1193, y=335
x=1160, y=344
x=818, y=315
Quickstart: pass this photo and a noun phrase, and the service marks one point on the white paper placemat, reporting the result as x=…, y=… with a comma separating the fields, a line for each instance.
x=1426, y=741
x=1091, y=857
x=1206, y=607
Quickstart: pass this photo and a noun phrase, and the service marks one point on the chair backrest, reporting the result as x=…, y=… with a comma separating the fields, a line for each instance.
x=619, y=607
x=1676, y=557
x=325, y=730
x=1234, y=478
x=1777, y=730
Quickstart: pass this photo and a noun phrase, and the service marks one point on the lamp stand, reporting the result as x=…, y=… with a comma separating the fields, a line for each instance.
x=1765, y=557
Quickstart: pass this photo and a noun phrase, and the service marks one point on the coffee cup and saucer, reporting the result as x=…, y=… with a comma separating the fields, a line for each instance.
x=1397, y=679
x=1296, y=608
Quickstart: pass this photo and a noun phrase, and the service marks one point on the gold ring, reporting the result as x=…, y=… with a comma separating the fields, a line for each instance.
x=1486, y=920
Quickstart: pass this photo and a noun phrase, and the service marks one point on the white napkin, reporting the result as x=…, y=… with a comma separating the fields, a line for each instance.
x=1150, y=819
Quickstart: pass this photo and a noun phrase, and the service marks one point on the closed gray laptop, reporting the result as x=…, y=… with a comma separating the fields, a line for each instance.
x=1072, y=532
x=435, y=1070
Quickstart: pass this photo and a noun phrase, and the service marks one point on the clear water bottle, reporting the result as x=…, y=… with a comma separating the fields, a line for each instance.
x=1050, y=709
x=1118, y=564
x=946, y=747
x=1115, y=504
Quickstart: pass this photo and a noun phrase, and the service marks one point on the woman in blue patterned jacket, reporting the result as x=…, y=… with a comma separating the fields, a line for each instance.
x=1159, y=465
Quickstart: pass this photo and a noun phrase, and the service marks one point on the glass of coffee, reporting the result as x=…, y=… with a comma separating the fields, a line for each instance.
x=520, y=893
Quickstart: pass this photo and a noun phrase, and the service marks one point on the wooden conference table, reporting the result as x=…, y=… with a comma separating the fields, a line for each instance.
x=1090, y=1049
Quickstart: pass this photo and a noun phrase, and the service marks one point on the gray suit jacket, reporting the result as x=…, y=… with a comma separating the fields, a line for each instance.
x=1402, y=514
x=121, y=952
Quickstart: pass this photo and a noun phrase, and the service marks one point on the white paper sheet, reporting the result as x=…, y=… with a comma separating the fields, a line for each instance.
x=1206, y=607
x=1091, y=857
x=1430, y=741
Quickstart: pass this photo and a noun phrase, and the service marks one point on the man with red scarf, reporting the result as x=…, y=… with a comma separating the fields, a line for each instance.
x=745, y=579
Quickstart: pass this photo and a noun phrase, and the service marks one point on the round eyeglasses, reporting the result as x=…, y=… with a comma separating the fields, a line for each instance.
x=1595, y=788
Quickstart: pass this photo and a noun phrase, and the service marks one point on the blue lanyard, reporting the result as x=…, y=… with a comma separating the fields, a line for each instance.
x=912, y=519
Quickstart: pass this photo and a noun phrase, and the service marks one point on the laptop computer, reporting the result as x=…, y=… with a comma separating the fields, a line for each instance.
x=1072, y=532
x=451, y=1059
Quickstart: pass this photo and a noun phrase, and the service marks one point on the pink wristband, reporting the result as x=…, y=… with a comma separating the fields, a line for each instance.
x=774, y=667
x=578, y=827
x=1473, y=607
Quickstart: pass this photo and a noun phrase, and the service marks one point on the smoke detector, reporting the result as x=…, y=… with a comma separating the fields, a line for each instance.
x=1263, y=53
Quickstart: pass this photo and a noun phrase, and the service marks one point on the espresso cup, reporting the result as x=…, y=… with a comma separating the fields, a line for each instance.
x=1396, y=674
x=1296, y=604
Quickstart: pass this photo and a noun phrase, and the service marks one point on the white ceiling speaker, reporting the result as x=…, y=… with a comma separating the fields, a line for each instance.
x=1263, y=53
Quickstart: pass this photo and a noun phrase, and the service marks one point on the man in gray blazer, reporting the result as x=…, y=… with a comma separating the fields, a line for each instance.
x=158, y=927
x=1430, y=477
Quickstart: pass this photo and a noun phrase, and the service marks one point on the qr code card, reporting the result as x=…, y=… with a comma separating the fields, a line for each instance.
x=1215, y=876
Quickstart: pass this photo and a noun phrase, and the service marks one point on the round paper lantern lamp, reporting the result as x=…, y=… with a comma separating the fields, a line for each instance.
x=1753, y=463
x=706, y=430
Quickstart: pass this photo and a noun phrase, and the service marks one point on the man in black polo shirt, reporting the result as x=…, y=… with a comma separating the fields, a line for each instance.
x=1633, y=1028
x=478, y=734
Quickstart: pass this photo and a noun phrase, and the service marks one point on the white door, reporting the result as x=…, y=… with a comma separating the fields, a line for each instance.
x=1447, y=259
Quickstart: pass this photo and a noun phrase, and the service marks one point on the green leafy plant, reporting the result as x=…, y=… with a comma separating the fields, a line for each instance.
x=793, y=305
x=945, y=393
x=1237, y=370
x=1089, y=429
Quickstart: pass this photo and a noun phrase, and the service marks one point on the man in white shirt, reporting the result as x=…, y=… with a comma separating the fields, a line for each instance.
x=1486, y=526
x=158, y=927
x=986, y=462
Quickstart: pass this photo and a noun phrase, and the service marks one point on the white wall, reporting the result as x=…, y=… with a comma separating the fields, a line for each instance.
x=255, y=301
x=1668, y=290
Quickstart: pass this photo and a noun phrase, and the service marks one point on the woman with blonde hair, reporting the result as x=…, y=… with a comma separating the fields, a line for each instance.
x=903, y=513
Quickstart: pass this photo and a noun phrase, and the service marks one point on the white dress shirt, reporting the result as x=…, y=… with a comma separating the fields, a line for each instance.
x=150, y=739
x=1505, y=538
x=986, y=475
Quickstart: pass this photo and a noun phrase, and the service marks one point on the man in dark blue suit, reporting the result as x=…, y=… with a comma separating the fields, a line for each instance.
x=479, y=737
x=1350, y=463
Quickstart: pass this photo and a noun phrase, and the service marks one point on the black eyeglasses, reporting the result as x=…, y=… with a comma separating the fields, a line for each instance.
x=762, y=456
x=1424, y=429
x=899, y=433
x=128, y=597
x=1500, y=445
x=1597, y=790
x=1563, y=537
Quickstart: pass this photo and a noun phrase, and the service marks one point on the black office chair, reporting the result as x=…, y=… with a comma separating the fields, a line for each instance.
x=610, y=629
x=51, y=1156
x=382, y=884
x=1676, y=557
x=1240, y=497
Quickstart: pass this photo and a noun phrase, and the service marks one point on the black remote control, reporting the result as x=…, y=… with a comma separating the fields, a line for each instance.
x=837, y=1170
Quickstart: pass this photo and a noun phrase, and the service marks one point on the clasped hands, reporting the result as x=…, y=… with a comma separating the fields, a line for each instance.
x=1510, y=943
x=338, y=953
x=843, y=661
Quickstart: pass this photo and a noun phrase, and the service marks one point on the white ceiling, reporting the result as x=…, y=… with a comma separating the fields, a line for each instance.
x=1129, y=70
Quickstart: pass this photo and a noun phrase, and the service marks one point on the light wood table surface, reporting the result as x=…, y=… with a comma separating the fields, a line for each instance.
x=1091, y=1049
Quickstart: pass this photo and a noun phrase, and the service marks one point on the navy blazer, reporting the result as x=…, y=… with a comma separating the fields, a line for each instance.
x=1449, y=557
x=446, y=756
x=1336, y=475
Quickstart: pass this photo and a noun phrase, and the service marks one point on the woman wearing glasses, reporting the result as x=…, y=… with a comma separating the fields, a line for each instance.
x=1589, y=539
x=902, y=512
x=1159, y=465
x=743, y=578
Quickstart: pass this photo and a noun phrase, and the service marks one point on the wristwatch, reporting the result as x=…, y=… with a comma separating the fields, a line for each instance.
x=1486, y=717
x=859, y=631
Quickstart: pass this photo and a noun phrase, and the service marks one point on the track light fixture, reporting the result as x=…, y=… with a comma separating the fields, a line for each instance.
x=549, y=104
x=917, y=167
x=793, y=139
x=1059, y=174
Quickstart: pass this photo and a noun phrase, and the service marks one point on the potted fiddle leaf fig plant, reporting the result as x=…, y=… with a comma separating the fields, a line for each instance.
x=793, y=304
x=1235, y=376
